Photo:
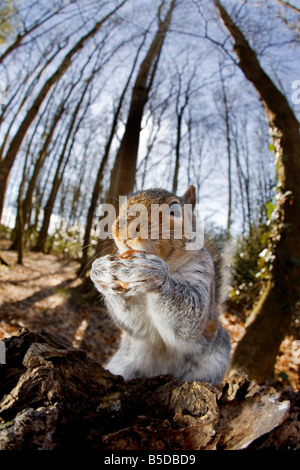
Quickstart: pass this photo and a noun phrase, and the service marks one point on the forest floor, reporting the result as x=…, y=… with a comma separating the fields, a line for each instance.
x=44, y=293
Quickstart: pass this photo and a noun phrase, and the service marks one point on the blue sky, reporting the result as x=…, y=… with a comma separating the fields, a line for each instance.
x=186, y=50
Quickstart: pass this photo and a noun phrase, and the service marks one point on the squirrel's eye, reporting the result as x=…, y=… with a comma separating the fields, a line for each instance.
x=175, y=209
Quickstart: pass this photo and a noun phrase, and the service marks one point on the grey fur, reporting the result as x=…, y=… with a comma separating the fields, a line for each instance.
x=168, y=313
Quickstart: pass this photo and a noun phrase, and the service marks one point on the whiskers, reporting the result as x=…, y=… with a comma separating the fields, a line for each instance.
x=102, y=248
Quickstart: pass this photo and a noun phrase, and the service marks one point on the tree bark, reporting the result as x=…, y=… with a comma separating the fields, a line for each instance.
x=270, y=320
x=54, y=397
x=7, y=163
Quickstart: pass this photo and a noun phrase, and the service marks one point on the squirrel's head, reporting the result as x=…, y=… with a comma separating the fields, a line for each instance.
x=154, y=221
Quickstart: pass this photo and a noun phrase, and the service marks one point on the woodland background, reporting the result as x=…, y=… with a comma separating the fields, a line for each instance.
x=101, y=98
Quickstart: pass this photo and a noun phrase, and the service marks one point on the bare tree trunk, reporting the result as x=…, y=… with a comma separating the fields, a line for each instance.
x=18, y=40
x=20, y=217
x=18, y=242
x=26, y=203
x=123, y=173
x=270, y=321
x=289, y=5
x=179, y=113
x=24, y=100
x=156, y=126
x=229, y=157
x=241, y=186
x=244, y=180
x=180, y=109
x=48, y=209
x=7, y=163
x=97, y=185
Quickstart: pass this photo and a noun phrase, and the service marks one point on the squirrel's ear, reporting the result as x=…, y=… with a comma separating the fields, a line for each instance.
x=190, y=196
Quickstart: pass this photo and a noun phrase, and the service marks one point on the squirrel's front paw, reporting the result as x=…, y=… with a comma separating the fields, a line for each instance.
x=103, y=273
x=141, y=273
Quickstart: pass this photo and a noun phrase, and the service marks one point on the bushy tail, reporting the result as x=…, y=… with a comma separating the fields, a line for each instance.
x=222, y=253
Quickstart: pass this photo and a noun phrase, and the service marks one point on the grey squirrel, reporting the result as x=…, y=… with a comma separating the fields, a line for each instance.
x=162, y=295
